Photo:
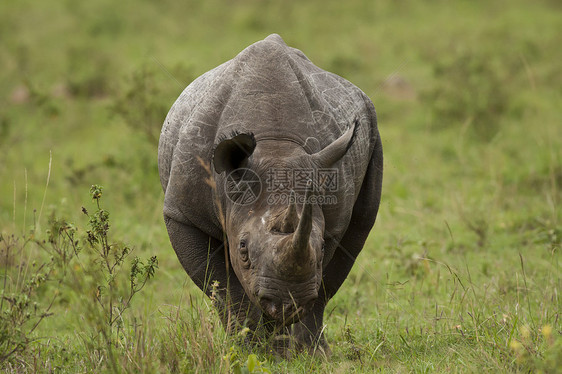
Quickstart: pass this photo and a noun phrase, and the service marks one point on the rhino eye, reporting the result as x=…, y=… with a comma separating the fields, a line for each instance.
x=244, y=251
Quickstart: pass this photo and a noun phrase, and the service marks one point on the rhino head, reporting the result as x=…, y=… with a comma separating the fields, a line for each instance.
x=276, y=248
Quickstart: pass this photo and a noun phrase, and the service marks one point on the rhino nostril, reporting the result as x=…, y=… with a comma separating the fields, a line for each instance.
x=270, y=308
x=268, y=305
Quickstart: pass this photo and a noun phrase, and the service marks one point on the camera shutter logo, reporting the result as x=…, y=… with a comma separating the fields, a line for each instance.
x=243, y=186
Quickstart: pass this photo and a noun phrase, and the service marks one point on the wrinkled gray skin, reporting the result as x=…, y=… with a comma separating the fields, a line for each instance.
x=270, y=108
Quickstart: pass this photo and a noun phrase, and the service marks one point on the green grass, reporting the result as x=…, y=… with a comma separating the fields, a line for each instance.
x=462, y=271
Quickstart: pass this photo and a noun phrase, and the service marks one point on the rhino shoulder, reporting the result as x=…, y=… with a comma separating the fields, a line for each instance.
x=179, y=118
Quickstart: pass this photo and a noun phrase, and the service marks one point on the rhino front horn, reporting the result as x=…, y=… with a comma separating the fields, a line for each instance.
x=302, y=233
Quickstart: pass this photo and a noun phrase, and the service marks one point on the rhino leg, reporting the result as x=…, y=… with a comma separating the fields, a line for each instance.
x=308, y=332
x=203, y=258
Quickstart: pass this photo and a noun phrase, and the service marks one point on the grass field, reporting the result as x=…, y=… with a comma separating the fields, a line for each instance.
x=462, y=271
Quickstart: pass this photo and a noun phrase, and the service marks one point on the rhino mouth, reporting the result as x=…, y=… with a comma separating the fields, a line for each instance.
x=286, y=302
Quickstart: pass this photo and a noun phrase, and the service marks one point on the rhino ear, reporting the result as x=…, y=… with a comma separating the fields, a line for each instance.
x=335, y=151
x=233, y=153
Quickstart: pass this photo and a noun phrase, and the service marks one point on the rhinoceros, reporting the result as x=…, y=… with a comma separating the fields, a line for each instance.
x=272, y=173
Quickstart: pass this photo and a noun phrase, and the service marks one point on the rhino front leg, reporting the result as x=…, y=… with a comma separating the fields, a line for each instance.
x=203, y=258
x=309, y=332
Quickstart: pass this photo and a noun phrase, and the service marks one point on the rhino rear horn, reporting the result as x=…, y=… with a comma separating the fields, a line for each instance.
x=290, y=218
x=231, y=154
x=287, y=221
x=335, y=151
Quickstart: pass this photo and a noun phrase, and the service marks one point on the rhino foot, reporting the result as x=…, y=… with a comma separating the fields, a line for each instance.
x=317, y=347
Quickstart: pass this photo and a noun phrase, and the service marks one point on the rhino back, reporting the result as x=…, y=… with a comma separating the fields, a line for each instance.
x=274, y=92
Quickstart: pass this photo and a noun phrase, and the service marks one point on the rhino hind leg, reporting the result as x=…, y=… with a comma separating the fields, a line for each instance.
x=309, y=331
x=203, y=258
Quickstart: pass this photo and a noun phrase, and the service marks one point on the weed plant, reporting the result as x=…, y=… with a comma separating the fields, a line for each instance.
x=89, y=270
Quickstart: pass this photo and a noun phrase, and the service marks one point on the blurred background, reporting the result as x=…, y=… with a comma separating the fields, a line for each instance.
x=468, y=96
x=91, y=82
